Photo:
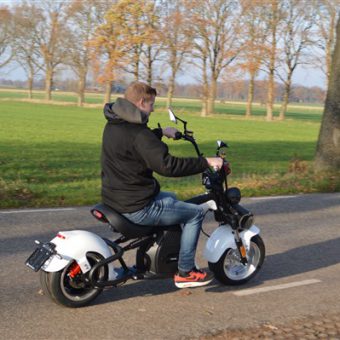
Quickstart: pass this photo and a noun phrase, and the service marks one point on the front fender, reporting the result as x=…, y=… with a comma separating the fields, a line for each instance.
x=223, y=238
x=74, y=245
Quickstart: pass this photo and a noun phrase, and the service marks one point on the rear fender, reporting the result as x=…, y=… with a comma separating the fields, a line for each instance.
x=223, y=238
x=74, y=245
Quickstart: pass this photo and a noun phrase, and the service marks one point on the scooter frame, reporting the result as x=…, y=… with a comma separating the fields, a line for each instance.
x=74, y=246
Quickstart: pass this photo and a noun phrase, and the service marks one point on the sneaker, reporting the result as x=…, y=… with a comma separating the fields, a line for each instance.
x=194, y=278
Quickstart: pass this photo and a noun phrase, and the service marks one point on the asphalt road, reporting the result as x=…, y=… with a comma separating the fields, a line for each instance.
x=300, y=278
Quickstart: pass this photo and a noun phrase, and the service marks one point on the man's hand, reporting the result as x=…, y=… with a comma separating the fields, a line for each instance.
x=169, y=132
x=215, y=162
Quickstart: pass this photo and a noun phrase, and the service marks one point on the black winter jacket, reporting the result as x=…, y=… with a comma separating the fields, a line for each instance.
x=130, y=153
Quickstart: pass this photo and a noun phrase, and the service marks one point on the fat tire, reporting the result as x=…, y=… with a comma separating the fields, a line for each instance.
x=218, y=267
x=44, y=284
x=61, y=293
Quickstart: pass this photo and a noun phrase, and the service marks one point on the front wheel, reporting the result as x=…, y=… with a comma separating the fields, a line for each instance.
x=230, y=271
x=69, y=286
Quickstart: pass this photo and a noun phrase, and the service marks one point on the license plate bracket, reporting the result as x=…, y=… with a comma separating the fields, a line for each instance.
x=40, y=255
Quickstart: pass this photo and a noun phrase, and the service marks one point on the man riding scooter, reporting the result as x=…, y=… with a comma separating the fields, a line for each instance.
x=131, y=152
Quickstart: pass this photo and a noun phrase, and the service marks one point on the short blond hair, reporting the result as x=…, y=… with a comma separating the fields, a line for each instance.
x=138, y=90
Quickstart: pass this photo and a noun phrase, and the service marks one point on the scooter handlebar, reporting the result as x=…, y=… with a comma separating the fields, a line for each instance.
x=178, y=135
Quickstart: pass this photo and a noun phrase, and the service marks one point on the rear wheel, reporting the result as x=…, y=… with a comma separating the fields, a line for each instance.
x=69, y=286
x=44, y=283
x=230, y=271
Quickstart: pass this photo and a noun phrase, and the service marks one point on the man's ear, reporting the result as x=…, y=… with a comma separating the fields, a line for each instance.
x=140, y=103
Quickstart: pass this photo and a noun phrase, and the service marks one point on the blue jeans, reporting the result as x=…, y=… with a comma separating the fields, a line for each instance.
x=165, y=209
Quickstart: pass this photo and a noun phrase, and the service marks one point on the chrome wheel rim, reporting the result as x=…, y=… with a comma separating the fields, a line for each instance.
x=237, y=271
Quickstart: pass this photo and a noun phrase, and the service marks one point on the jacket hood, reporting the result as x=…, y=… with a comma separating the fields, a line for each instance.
x=123, y=110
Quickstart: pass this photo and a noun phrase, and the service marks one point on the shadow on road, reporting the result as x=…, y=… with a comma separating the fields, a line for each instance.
x=293, y=262
x=137, y=289
x=302, y=259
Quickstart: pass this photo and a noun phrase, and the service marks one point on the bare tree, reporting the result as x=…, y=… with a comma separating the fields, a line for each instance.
x=201, y=55
x=5, y=36
x=216, y=41
x=128, y=37
x=176, y=35
x=274, y=17
x=153, y=45
x=200, y=50
x=297, y=23
x=135, y=19
x=327, y=13
x=328, y=148
x=255, y=32
x=84, y=17
x=54, y=33
x=25, y=41
x=109, y=54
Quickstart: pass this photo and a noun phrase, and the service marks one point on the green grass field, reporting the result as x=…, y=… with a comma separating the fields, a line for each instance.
x=50, y=154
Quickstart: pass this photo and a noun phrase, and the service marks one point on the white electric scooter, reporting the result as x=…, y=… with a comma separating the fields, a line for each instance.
x=76, y=265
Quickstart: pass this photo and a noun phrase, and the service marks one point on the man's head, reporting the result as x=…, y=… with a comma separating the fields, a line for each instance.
x=142, y=95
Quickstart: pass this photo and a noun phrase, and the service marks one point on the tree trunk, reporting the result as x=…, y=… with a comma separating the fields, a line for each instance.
x=250, y=95
x=81, y=89
x=212, y=96
x=286, y=96
x=328, y=147
x=171, y=90
x=149, y=76
x=329, y=46
x=108, y=89
x=205, y=89
x=48, y=84
x=270, y=95
x=272, y=57
x=149, y=67
x=30, y=87
x=136, y=71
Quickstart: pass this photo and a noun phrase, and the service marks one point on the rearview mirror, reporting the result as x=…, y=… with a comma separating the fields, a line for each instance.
x=172, y=116
x=221, y=152
x=221, y=144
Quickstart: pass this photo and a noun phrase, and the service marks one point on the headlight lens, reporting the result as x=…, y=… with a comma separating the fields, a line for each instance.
x=244, y=216
x=233, y=195
x=246, y=221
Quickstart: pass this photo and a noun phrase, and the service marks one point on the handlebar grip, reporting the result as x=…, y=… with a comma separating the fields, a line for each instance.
x=178, y=135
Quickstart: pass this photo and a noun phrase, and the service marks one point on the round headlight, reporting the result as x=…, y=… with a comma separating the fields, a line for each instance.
x=233, y=195
x=246, y=221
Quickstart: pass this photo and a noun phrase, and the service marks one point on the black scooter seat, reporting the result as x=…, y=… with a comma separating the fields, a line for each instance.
x=121, y=224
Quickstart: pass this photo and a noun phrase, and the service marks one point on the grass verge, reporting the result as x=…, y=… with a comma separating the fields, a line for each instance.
x=50, y=154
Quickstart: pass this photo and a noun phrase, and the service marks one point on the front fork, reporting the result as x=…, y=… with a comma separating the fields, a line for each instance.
x=240, y=246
